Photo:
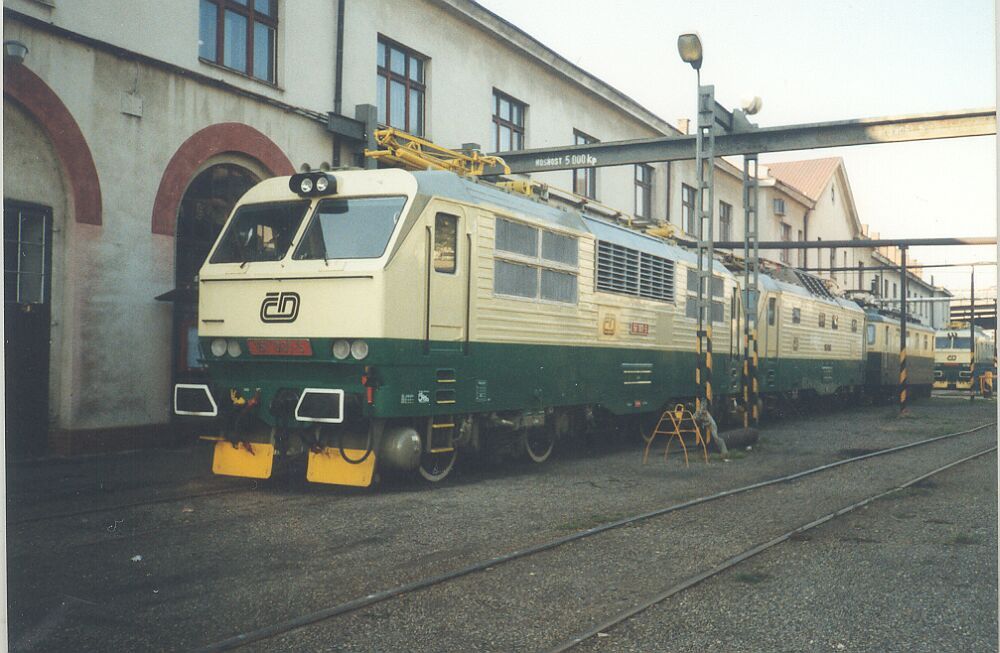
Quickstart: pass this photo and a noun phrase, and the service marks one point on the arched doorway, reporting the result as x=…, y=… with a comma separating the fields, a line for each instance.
x=204, y=207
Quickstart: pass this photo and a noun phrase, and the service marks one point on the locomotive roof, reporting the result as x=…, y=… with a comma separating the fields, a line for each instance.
x=447, y=184
x=875, y=316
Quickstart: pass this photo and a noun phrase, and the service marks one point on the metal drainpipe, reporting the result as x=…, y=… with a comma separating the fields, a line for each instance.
x=338, y=83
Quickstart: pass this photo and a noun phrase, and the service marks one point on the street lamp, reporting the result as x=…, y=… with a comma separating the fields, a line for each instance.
x=689, y=47
x=15, y=51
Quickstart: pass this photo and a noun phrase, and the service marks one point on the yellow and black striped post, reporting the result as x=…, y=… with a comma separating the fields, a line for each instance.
x=972, y=334
x=902, y=332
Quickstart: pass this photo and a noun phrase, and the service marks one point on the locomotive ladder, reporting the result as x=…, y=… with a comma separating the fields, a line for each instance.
x=705, y=162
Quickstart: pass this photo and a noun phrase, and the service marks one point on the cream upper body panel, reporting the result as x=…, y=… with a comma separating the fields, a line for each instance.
x=323, y=297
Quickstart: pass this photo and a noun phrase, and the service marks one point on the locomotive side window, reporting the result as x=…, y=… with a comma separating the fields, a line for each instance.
x=350, y=228
x=445, y=243
x=834, y=322
x=822, y=320
x=517, y=238
x=542, y=266
x=515, y=279
x=854, y=326
x=871, y=334
x=260, y=232
x=796, y=315
x=772, y=305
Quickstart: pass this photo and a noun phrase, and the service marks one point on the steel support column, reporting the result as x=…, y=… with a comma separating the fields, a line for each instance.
x=705, y=195
x=902, y=332
x=751, y=270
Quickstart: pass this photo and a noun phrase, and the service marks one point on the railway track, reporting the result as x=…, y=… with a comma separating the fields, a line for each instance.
x=359, y=603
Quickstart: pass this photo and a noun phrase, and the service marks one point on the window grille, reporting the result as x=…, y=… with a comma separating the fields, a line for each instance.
x=516, y=238
x=559, y=248
x=515, y=279
x=631, y=272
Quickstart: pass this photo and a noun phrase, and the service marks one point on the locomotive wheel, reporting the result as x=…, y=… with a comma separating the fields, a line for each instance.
x=435, y=467
x=539, y=443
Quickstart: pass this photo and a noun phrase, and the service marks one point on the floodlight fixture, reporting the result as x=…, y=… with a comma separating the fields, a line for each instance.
x=15, y=51
x=689, y=47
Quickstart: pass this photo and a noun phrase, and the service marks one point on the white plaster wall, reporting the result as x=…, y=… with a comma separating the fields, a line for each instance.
x=462, y=71
x=115, y=339
x=168, y=31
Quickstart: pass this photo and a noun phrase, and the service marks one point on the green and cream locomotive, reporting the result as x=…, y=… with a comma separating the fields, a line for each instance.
x=385, y=320
x=961, y=357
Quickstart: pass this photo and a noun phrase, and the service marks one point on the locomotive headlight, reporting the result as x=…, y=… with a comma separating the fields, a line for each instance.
x=306, y=185
x=341, y=349
x=234, y=348
x=359, y=349
x=322, y=183
x=218, y=347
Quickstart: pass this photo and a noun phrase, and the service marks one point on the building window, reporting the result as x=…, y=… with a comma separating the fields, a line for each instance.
x=895, y=290
x=584, y=179
x=522, y=269
x=779, y=206
x=27, y=264
x=401, y=87
x=786, y=236
x=802, y=252
x=508, y=122
x=833, y=194
x=643, y=190
x=689, y=218
x=725, y=221
x=833, y=261
x=240, y=34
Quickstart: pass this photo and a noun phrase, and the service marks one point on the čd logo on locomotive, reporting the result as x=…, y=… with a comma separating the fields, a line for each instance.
x=279, y=307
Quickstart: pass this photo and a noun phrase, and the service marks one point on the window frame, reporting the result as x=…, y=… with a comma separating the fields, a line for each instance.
x=589, y=175
x=690, y=216
x=786, y=237
x=644, y=186
x=385, y=74
x=434, y=249
x=538, y=263
x=515, y=127
x=725, y=221
x=253, y=17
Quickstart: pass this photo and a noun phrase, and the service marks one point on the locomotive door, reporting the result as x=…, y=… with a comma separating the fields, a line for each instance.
x=770, y=342
x=447, y=285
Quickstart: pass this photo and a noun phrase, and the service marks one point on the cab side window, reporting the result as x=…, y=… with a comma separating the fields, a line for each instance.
x=445, y=243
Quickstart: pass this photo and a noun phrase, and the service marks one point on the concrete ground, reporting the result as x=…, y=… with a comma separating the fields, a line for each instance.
x=237, y=555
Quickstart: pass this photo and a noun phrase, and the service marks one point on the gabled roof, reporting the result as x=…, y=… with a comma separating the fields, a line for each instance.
x=810, y=176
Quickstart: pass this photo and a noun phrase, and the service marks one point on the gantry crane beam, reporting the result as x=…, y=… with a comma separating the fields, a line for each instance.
x=786, y=138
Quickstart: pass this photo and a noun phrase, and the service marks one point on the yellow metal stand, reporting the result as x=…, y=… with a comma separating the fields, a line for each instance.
x=328, y=466
x=674, y=424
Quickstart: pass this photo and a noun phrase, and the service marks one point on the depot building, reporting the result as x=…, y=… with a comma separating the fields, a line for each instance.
x=131, y=129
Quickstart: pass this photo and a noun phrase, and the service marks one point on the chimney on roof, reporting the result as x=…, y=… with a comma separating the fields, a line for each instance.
x=683, y=124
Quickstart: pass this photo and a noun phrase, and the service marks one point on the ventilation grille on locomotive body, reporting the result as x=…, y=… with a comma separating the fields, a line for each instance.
x=631, y=272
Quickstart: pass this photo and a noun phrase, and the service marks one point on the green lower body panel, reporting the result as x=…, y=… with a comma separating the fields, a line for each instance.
x=401, y=378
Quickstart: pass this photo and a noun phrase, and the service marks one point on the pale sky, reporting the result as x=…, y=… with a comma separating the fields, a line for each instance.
x=811, y=61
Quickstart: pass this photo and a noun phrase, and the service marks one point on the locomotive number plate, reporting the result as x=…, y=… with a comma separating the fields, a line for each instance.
x=284, y=347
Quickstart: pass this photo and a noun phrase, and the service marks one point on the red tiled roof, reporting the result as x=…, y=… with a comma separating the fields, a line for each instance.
x=809, y=177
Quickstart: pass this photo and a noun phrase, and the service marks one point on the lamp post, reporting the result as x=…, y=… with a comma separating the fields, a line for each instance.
x=690, y=50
